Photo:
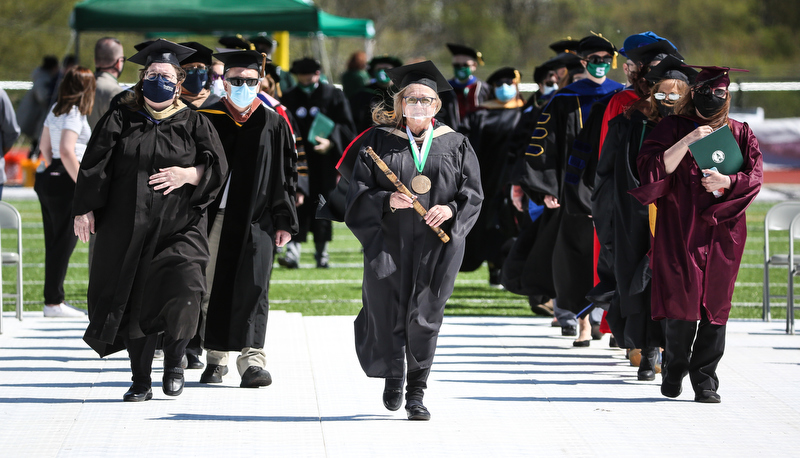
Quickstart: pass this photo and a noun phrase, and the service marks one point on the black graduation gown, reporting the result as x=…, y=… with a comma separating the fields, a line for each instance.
x=623, y=229
x=151, y=249
x=549, y=170
x=261, y=200
x=408, y=272
x=331, y=102
x=449, y=114
x=490, y=132
x=363, y=101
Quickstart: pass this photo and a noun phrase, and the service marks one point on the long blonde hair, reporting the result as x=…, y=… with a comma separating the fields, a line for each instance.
x=383, y=116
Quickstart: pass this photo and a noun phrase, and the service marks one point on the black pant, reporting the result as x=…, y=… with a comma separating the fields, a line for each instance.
x=55, y=189
x=695, y=350
x=141, y=352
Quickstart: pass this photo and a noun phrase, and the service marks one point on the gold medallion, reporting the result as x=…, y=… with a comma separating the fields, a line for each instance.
x=421, y=184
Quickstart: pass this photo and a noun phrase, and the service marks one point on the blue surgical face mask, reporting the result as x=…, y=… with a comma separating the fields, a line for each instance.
x=505, y=92
x=242, y=96
x=195, y=81
x=218, y=88
x=158, y=90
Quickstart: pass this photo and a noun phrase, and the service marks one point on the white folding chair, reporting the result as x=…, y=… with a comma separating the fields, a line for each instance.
x=794, y=234
x=779, y=218
x=10, y=219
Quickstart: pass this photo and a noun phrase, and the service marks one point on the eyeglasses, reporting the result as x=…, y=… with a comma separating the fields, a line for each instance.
x=717, y=91
x=460, y=65
x=672, y=96
x=236, y=81
x=503, y=81
x=216, y=76
x=424, y=101
x=196, y=70
x=597, y=60
x=152, y=76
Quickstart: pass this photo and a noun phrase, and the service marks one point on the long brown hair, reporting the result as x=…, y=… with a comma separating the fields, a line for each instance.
x=135, y=99
x=683, y=89
x=383, y=116
x=76, y=90
x=685, y=106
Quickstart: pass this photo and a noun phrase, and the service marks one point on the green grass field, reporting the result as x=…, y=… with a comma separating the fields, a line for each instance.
x=337, y=291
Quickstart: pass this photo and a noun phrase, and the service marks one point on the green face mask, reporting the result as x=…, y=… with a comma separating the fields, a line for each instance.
x=307, y=89
x=462, y=73
x=381, y=77
x=597, y=70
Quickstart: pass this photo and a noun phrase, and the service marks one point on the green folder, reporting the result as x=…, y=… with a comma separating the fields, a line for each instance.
x=322, y=126
x=718, y=149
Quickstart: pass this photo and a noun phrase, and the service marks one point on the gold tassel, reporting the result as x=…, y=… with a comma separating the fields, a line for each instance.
x=480, y=57
x=517, y=77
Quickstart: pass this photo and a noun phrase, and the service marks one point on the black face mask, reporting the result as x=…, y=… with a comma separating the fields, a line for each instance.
x=665, y=110
x=707, y=104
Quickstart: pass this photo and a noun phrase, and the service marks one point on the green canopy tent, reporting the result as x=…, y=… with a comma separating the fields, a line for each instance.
x=215, y=17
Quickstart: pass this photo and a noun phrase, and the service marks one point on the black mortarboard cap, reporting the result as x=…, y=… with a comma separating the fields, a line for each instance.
x=244, y=59
x=391, y=60
x=570, y=61
x=202, y=54
x=504, y=73
x=456, y=49
x=424, y=73
x=273, y=71
x=162, y=51
x=567, y=44
x=262, y=38
x=714, y=76
x=671, y=68
x=142, y=45
x=305, y=66
x=594, y=43
x=236, y=42
x=540, y=72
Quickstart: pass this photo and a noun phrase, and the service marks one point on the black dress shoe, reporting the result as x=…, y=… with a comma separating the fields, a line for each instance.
x=581, y=343
x=708, y=397
x=671, y=390
x=138, y=393
x=255, y=377
x=417, y=411
x=569, y=331
x=393, y=393
x=193, y=361
x=646, y=375
x=172, y=382
x=612, y=342
x=213, y=373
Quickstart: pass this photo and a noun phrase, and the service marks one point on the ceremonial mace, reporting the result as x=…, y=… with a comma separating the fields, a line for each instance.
x=402, y=188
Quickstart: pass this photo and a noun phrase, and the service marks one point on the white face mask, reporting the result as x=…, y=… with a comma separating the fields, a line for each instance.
x=217, y=88
x=418, y=112
x=549, y=89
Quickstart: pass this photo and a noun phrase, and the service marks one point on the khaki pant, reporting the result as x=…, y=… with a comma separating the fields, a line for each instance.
x=250, y=356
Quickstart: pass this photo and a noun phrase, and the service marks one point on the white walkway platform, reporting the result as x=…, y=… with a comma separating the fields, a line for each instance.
x=500, y=387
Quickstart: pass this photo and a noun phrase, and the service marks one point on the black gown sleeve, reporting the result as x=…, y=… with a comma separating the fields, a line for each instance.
x=94, y=175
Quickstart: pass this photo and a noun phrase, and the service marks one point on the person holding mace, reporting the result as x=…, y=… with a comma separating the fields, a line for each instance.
x=409, y=272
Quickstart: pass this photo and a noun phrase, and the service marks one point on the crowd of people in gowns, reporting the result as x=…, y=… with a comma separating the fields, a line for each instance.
x=585, y=198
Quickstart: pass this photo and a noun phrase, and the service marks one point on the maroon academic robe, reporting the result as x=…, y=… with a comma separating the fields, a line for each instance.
x=699, y=239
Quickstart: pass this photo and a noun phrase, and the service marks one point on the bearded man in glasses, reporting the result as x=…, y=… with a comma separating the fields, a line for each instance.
x=565, y=238
x=254, y=213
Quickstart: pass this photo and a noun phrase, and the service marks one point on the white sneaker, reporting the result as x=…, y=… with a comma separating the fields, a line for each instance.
x=62, y=311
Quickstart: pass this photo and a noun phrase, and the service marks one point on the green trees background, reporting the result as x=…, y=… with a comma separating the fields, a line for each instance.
x=760, y=35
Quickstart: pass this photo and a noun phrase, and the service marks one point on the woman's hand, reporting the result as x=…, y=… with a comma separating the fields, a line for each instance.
x=714, y=181
x=437, y=215
x=173, y=178
x=398, y=201
x=282, y=237
x=551, y=201
x=697, y=134
x=84, y=226
x=323, y=145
